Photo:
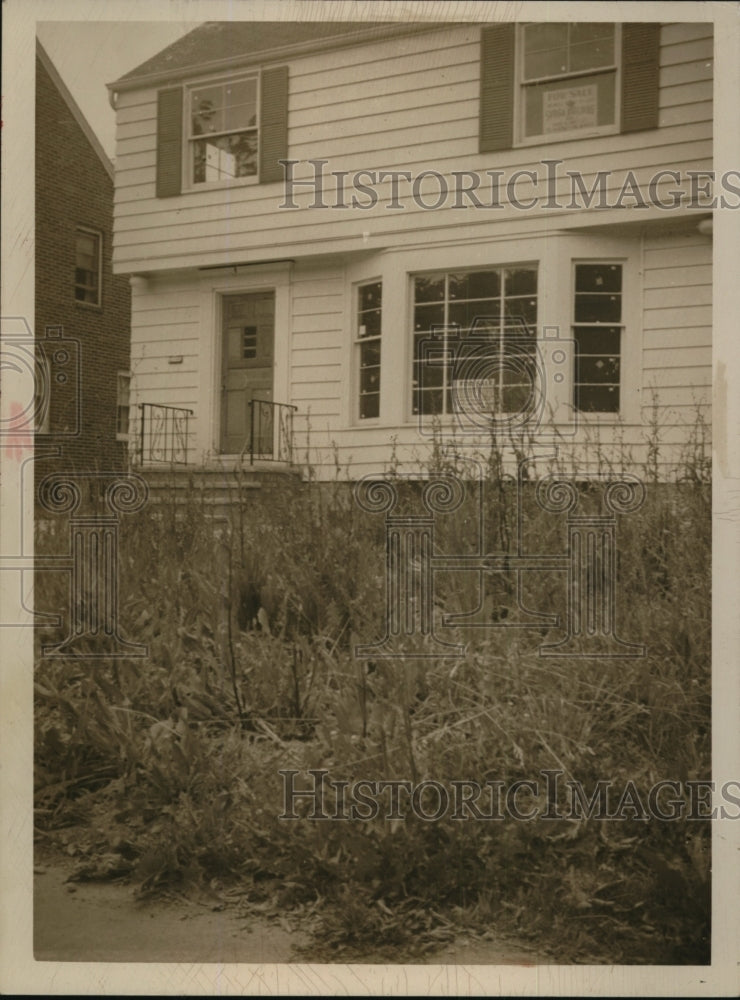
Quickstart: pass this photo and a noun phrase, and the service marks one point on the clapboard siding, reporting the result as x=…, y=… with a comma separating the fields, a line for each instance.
x=316, y=364
x=677, y=326
x=373, y=107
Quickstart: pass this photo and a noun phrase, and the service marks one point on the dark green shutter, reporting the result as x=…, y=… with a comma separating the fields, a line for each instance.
x=640, y=68
x=498, y=44
x=169, y=142
x=273, y=123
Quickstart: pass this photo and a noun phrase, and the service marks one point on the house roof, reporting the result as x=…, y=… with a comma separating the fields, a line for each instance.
x=219, y=44
x=74, y=107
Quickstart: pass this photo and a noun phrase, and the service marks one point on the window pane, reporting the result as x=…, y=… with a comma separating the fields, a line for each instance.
x=463, y=314
x=371, y=296
x=520, y=281
x=428, y=402
x=597, y=339
x=598, y=277
x=598, y=308
x=429, y=288
x=428, y=368
x=369, y=406
x=87, y=268
x=249, y=342
x=516, y=398
x=545, y=50
x=591, y=45
x=224, y=157
x=369, y=380
x=522, y=309
x=568, y=105
x=597, y=369
x=369, y=323
x=475, y=285
x=427, y=316
x=597, y=398
x=124, y=389
x=370, y=353
x=207, y=113
x=240, y=105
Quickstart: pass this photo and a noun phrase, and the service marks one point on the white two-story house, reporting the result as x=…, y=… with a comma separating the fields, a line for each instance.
x=343, y=238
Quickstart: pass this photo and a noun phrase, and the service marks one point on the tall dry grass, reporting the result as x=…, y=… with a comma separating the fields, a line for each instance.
x=168, y=768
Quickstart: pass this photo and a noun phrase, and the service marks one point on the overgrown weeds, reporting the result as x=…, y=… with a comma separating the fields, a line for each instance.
x=168, y=768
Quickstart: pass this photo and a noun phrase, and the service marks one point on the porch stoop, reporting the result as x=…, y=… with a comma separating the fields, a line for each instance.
x=218, y=490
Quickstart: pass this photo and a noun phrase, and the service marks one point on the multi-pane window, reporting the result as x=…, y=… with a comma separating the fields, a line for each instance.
x=223, y=131
x=597, y=331
x=123, y=405
x=88, y=265
x=568, y=75
x=249, y=343
x=369, y=322
x=474, y=329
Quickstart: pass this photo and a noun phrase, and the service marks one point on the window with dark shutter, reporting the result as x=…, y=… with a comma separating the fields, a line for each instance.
x=169, y=142
x=273, y=123
x=640, y=64
x=558, y=80
x=236, y=129
x=498, y=46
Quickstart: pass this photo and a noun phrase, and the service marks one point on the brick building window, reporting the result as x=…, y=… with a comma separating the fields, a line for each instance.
x=88, y=266
x=123, y=405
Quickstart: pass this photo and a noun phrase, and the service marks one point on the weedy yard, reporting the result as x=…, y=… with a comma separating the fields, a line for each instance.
x=166, y=770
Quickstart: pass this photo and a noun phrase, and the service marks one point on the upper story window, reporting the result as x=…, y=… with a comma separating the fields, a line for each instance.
x=545, y=81
x=88, y=266
x=568, y=79
x=224, y=131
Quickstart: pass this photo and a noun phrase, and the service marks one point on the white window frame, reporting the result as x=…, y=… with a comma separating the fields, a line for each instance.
x=521, y=139
x=530, y=264
x=622, y=324
x=359, y=341
x=188, y=139
x=98, y=234
x=120, y=435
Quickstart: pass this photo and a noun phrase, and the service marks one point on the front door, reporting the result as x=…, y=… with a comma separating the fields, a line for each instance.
x=248, y=353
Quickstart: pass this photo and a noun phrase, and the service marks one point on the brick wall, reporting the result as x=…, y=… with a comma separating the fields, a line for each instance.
x=74, y=189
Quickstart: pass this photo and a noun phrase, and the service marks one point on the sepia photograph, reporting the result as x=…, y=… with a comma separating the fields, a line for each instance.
x=371, y=491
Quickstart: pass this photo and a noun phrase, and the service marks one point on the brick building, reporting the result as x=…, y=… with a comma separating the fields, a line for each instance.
x=83, y=311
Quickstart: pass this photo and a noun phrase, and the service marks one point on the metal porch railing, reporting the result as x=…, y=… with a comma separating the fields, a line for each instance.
x=163, y=434
x=270, y=432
